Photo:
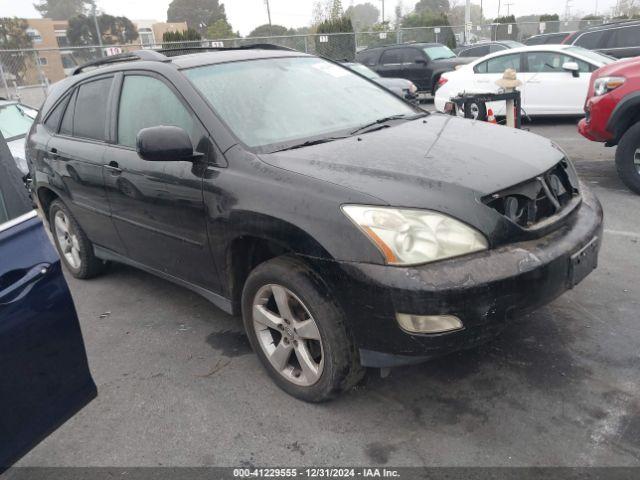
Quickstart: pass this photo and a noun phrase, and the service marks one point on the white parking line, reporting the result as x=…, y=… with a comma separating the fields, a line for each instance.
x=622, y=233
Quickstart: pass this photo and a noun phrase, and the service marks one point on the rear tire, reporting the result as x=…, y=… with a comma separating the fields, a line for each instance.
x=75, y=249
x=305, y=298
x=628, y=158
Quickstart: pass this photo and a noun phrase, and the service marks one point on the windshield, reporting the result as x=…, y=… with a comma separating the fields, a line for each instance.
x=439, y=52
x=273, y=101
x=362, y=70
x=512, y=43
x=15, y=120
x=591, y=55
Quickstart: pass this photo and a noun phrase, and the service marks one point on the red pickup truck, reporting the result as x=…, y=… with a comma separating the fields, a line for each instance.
x=613, y=115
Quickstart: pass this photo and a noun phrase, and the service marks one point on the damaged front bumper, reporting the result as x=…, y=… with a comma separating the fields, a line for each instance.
x=483, y=290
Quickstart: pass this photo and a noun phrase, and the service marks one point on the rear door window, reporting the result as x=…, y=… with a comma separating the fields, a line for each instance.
x=368, y=58
x=90, y=115
x=475, y=51
x=591, y=40
x=392, y=57
x=499, y=64
x=625, y=37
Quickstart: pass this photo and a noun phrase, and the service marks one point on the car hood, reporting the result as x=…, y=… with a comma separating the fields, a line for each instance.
x=440, y=161
x=620, y=67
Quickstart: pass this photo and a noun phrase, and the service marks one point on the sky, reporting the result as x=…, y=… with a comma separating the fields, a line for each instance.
x=245, y=15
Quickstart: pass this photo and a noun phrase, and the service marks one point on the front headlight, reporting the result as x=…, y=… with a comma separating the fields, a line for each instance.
x=606, y=84
x=411, y=237
x=413, y=88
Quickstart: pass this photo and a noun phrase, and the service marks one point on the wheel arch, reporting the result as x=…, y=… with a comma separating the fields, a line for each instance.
x=624, y=115
x=246, y=250
x=46, y=196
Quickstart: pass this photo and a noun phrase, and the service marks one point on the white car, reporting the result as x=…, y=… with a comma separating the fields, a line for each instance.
x=555, y=78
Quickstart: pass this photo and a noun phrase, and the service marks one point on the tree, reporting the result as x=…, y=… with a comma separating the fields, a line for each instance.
x=336, y=10
x=199, y=14
x=182, y=39
x=337, y=47
x=429, y=19
x=456, y=15
x=433, y=6
x=267, y=30
x=13, y=36
x=220, y=29
x=114, y=30
x=363, y=15
x=61, y=9
x=188, y=35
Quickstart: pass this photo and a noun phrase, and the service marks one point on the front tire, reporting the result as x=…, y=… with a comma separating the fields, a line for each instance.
x=298, y=331
x=75, y=249
x=628, y=158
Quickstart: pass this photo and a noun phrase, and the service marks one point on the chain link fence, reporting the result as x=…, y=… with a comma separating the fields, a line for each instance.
x=26, y=74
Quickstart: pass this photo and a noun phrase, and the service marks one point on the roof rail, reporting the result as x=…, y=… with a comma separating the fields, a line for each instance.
x=150, y=55
x=255, y=46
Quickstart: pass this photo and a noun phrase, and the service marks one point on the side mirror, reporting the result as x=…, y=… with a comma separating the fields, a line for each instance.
x=164, y=144
x=572, y=67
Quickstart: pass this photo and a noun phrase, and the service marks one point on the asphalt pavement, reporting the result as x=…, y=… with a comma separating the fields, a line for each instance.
x=179, y=386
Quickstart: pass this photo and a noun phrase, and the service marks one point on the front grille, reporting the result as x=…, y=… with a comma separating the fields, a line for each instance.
x=532, y=202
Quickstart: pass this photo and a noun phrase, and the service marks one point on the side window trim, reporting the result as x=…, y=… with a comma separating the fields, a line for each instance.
x=71, y=104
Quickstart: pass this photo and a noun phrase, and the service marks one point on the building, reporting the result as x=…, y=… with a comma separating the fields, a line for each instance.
x=55, y=58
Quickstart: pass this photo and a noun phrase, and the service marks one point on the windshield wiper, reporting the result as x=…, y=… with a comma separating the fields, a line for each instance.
x=378, y=123
x=309, y=143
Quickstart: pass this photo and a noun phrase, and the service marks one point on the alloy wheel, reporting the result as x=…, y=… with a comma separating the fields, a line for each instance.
x=67, y=240
x=636, y=160
x=288, y=335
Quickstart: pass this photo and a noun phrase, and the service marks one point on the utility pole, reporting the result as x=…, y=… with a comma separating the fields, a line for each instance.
x=508, y=9
x=382, y=11
x=498, y=8
x=467, y=22
x=567, y=10
x=95, y=22
x=269, y=15
x=595, y=13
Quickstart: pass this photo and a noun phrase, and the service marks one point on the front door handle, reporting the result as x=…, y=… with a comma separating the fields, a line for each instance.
x=22, y=286
x=114, y=168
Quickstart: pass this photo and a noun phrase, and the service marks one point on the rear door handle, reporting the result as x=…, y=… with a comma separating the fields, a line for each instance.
x=23, y=285
x=54, y=152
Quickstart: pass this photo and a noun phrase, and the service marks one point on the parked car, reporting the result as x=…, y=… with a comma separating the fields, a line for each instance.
x=422, y=63
x=555, y=78
x=555, y=38
x=403, y=88
x=485, y=48
x=612, y=116
x=15, y=122
x=45, y=377
x=618, y=39
x=348, y=227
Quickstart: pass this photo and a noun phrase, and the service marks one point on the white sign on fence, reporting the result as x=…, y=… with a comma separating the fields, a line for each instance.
x=217, y=44
x=324, y=38
x=383, y=35
x=510, y=29
x=543, y=27
x=437, y=29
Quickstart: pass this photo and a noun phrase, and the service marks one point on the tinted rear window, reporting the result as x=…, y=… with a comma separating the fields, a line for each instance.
x=91, y=109
x=53, y=120
x=625, y=37
x=591, y=40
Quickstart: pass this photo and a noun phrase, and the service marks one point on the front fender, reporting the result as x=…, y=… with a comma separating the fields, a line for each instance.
x=623, y=116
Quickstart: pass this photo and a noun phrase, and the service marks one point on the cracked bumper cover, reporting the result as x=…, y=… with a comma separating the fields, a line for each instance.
x=484, y=290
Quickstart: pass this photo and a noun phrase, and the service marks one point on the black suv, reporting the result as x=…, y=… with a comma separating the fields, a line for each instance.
x=422, y=63
x=348, y=227
x=618, y=39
